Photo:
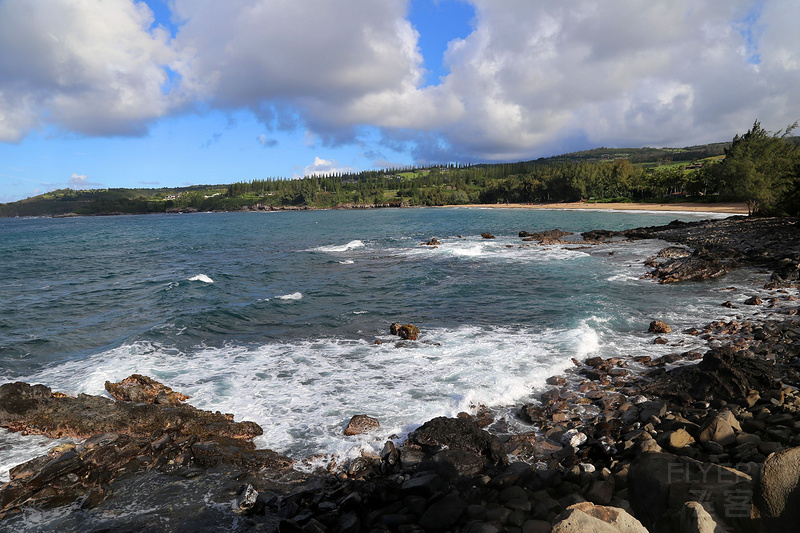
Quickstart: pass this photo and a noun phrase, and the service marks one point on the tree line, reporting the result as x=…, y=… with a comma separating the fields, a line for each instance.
x=759, y=167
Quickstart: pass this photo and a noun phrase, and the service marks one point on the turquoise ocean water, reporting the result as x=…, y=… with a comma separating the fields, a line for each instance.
x=274, y=316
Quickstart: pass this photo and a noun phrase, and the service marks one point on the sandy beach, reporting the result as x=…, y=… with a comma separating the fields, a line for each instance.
x=729, y=208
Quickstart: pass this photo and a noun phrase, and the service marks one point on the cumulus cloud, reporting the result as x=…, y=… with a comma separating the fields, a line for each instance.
x=536, y=74
x=532, y=78
x=95, y=68
x=323, y=167
x=81, y=181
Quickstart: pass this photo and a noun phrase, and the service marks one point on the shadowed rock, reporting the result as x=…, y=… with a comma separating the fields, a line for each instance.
x=723, y=374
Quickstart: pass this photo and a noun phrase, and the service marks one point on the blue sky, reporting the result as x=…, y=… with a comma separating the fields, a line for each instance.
x=124, y=93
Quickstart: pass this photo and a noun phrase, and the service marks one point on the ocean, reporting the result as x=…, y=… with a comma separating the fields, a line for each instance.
x=274, y=316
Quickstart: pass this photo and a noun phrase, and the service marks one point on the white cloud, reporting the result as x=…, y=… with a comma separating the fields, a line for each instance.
x=533, y=75
x=84, y=66
x=532, y=78
x=81, y=181
x=323, y=167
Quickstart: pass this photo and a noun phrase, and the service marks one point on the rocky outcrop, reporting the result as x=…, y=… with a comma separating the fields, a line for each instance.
x=142, y=389
x=723, y=374
x=35, y=409
x=122, y=438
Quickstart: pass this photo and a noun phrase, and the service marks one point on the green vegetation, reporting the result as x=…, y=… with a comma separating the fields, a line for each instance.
x=759, y=167
x=763, y=169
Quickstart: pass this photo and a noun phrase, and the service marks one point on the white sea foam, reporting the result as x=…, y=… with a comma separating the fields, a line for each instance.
x=501, y=249
x=471, y=251
x=201, y=277
x=352, y=245
x=303, y=393
x=346, y=262
x=20, y=448
x=292, y=296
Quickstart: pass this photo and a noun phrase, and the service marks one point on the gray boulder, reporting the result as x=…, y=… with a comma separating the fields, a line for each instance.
x=776, y=502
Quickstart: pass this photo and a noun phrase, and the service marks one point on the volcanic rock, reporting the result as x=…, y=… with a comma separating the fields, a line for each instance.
x=459, y=434
x=724, y=373
x=361, y=424
x=408, y=331
x=142, y=389
x=657, y=326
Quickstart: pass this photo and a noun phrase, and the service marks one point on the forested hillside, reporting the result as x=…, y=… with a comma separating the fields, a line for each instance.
x=759, y=167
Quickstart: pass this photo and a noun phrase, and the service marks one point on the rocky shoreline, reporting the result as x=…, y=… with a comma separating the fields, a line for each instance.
x=688, y=442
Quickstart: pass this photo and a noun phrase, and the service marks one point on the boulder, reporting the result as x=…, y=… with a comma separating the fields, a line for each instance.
x=361, y=424
x=694, y=518
x=408, y=331
x=487, y=235
x=459, y=434
x=776, y=502
x=586, y=517
x=657, y=326
x=720, y=429
x=660, y=483
x=443, y=513
x=142, y=389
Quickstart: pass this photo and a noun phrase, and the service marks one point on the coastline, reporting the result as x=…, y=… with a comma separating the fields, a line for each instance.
x=604, y=436
x=688, y=207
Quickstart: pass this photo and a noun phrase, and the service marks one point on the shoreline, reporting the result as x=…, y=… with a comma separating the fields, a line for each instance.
x=603, y=436
x=720, y=208
x=731, y=208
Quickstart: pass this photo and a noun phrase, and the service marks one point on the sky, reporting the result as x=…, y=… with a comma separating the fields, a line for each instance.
x=167, y=93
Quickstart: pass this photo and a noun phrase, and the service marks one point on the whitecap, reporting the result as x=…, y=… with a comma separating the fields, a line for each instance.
x=346, y=262
x=292, y=296
x=352, y=245
x=472, y=251
x=201, y=277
